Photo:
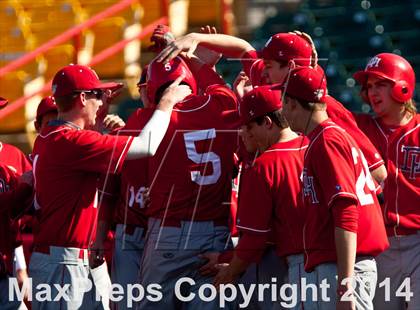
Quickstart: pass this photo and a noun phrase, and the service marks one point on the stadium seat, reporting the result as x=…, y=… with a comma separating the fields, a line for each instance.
x=107, y=33
x=11, y=87
x=56, y=58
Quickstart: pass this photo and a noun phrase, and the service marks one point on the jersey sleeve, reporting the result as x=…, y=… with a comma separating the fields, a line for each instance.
x=254, y=191
x=334, y=167
x=100, y=153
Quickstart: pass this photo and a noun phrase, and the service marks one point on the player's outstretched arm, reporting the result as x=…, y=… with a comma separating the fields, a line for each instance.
x=229, y=46
x=147, y=143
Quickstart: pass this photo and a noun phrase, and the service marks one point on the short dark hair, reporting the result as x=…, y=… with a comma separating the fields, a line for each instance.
x=65, y=103
x=276, y=117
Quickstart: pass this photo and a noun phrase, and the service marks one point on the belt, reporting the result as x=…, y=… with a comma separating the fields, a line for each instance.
x=168, y=222
x=45, y=249
x=393, y=231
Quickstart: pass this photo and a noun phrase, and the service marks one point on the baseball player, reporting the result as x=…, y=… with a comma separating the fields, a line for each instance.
x=14, y=197
x=190, y=183
x=388, y=83
x=11, y=155
x=68, y=159
x=343, y=229
x=15, y=160
x=46, y=111
x=281, y=53
x=272, y=183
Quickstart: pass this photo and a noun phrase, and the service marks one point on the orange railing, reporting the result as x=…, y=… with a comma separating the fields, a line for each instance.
x=70, y=34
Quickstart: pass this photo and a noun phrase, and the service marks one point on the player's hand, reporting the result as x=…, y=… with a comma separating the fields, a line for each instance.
x=308, y=38
x=173, y=94
x=210, y=268
x=183, y=44
x=345, y=299
x=241, y=85
x=112, y=122
x=22, y=277
x=27, y=178
x=224, y=276
x=207, y=29
x=112, y=93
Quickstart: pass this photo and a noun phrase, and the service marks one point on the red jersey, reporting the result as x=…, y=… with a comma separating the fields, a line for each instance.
x=345, y=119
x=335, y=168
x=400, y=149
x=134, y=177
x=8, y=227
x=270, y=199
x=191, y=173
x=67, y=165
x=14, y=158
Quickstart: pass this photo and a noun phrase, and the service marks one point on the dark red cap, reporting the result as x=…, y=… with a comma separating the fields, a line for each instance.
x=46, y=105
x=258, y=102
x=3, y=102
x=73, y=78
x=306, y=84
x=288, y=46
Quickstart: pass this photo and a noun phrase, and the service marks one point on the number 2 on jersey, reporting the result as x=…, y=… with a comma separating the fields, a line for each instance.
x=202, y=158
x=364, y=179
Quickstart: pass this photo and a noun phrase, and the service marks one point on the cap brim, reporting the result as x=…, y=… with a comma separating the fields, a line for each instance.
x=3, y=102
x=279, y=86
x=362, y=76
x=111, y=85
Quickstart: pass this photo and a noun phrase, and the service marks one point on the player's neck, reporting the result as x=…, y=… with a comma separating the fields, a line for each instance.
x=315, y=119
x=286, y=134
x=73, y=117
x=396, y=119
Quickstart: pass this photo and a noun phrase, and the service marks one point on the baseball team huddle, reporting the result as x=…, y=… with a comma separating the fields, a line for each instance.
x=271, y=180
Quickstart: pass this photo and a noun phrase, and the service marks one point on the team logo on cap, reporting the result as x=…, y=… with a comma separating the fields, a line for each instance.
x=319, y=93
x=251, y=113
x=373, y=62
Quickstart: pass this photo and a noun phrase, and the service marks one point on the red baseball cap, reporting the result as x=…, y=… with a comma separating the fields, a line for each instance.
x=258, y=102
x=3, y=102
x=288, y=46
x=46, y=105
x=305, y=83
x=73, y=78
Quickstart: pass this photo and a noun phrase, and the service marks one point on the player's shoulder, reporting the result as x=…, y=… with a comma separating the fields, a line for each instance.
x=329, y=135
x=10, y=149
x=219, y=90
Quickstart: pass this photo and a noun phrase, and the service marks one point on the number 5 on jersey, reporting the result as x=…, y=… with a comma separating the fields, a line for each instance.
x=202, y=158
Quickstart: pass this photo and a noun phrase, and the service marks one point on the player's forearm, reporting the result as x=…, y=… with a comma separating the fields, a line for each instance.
x=229, y=46
x=346, y=243
x=147, y=143
x=379, y=174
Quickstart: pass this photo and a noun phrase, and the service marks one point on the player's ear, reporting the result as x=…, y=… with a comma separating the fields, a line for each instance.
x=268, y=122
x=291, y=64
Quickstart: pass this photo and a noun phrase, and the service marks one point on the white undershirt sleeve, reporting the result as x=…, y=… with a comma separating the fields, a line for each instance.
x=148, y=141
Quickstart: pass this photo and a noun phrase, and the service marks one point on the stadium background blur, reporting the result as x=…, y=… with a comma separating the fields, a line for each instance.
x=346, y=34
